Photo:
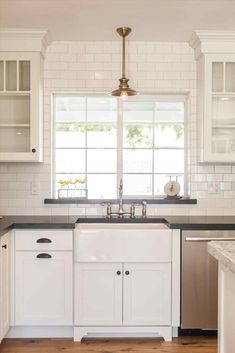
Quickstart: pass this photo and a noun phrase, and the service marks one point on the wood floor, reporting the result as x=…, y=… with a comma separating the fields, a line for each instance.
x=179, y=345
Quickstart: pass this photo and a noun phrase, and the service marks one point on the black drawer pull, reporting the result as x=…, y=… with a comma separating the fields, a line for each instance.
x=118, y=273
x=4, y=246
x=44, y=240
x=127, y=273
x=44, y=256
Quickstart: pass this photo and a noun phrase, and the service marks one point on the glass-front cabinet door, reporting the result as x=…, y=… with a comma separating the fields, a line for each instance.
x=219, y=108
x=19, y=107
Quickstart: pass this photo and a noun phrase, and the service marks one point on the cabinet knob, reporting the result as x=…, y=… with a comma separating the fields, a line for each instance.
x=127, y=273
x=44, y=240
x=33, y=150
x=43, y=256
x=4, y=246
x=118, y=273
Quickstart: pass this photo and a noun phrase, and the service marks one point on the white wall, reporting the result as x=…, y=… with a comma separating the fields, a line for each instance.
x=95, y=66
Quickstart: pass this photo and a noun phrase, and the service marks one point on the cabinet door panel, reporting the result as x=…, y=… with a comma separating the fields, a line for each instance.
x=43, y=290
x=216, y=83
x=98, y=294
x=21, y=107
x=147, y=294
x=5, y=285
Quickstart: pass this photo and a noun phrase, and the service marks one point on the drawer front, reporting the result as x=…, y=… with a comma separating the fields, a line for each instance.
x=43, y=240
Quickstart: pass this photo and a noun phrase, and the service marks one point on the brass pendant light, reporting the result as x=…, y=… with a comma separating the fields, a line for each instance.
x=123, y=89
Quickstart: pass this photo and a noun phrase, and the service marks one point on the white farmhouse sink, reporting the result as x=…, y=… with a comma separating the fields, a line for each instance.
x=136, y=242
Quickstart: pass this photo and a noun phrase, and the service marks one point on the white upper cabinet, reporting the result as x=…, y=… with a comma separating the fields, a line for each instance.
x=21, y=86
x=215, y=55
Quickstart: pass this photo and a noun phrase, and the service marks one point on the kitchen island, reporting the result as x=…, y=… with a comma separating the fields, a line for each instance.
x=224, y=252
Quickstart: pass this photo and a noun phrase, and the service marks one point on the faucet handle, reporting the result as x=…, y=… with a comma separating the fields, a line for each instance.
x=132, y=209
x=109, y=207
x=144, y=208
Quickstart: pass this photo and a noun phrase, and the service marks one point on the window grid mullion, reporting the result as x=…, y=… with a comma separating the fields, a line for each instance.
x=119, y=141
x=153, y=154
x=86, y=145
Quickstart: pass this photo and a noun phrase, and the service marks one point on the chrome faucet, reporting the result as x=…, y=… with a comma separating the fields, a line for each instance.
x=120, y=211
x=120, y=201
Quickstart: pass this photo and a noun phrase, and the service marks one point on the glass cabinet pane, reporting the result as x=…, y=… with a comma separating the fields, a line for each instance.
x=223, y=140
x=11, y=75
x=230, y=77
x=217, y=77
x=223, y=110
x=1, y=76
x=24, y=75
x=14, y=139
x=14, y=109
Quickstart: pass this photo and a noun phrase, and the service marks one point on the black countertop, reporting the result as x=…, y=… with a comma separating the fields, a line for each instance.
x=173, y=222
x=68, y=222
x=38, y=222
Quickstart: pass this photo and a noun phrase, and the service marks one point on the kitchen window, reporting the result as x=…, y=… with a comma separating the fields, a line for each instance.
x=100, y=139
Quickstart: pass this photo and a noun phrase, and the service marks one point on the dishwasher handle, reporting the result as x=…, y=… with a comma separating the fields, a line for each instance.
x=199, y=239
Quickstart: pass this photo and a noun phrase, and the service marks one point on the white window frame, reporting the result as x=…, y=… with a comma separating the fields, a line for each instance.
x=164, y=97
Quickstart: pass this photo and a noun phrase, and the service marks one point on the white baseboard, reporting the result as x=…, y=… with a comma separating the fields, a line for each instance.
x=78, y=332
x=40, y=332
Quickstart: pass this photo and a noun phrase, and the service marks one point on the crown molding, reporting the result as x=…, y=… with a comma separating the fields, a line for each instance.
x=24, y=39
x=208, y=42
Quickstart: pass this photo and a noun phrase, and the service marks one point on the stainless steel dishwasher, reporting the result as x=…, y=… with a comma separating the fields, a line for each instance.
x=199, y=279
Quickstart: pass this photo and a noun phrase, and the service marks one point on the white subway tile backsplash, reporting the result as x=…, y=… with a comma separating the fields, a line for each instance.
x=214, y=177
x=223, y=169
x=96, y=66
x=229, y=177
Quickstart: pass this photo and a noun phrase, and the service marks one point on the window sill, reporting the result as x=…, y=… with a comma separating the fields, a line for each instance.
x=125, y=201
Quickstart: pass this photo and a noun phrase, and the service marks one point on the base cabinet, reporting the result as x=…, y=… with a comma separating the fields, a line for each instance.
x=43, y=288
x=147, y=294
x=5, y=285
x=123, y=294
x=98, y=294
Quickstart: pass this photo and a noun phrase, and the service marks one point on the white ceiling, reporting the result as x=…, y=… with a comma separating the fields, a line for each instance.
x=151, y=20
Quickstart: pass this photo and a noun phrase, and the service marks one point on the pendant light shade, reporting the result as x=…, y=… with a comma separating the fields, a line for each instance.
x=123, y=89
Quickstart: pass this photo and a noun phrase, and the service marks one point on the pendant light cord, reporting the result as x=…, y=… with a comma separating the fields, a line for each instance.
x=123, y=56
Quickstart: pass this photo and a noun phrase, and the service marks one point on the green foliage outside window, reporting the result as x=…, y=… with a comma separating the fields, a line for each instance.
x=134, y=133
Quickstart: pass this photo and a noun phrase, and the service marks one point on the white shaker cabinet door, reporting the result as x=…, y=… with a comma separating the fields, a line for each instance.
x=43, y=288
x=5, y=285
x=98, y=294
x=147, y=294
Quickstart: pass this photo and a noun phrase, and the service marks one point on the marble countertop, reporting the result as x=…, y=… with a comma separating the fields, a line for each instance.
x=224, y=252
